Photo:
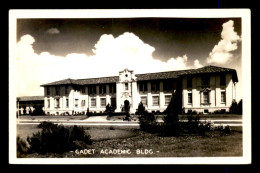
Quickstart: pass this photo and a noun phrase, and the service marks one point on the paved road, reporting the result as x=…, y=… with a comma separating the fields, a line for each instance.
x=102, y=121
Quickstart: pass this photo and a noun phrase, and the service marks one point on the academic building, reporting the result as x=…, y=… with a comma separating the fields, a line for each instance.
x=204, y=90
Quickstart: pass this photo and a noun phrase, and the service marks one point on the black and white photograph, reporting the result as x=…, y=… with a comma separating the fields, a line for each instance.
x=129, y=86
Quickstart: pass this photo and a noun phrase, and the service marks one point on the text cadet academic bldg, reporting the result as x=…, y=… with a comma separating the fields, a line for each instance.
x=204, y=90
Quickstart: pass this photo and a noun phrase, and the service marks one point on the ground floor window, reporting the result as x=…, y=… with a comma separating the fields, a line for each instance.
x=93, y=102
x=206, y=97
x=167, y=99
x=57, y=103
x=83, y=103
x=223, y=97
x=67, y=103
x=189, y=98
x=48, y=103
x=102, y=102
x=76, y=103
x=155, y=100
x=144, y=100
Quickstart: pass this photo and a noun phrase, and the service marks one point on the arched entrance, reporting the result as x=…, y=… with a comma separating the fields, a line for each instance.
x=126, y=106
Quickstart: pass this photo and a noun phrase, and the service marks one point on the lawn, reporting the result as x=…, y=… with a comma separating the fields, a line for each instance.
x=113, y=141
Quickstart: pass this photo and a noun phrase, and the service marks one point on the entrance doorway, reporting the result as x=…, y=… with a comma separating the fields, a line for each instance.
x=126, y=106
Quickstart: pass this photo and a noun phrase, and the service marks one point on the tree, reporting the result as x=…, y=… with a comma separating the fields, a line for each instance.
x=171, y=120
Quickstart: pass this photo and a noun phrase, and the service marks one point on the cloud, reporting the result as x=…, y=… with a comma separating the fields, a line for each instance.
x=111, y=55
x=53, y=31
x=197, y=64
x=222, y=52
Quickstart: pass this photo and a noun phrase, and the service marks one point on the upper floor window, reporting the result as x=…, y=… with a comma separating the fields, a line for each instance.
x=83, y=90
x=66, y=89
x=168, y=85
x=205, y=81
x=57, y=90
x=112, y=88
x=143, y=86
x=92, y=89
x=126, y=86
x=155, y=86
x=102, y=89
x=48, y=91
x=222, y=80
x=189, y=82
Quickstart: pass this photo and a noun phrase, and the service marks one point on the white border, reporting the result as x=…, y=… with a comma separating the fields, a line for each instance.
x=245, y=14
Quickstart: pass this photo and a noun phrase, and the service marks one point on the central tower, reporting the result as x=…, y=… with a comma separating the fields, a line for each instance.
x=126, y=91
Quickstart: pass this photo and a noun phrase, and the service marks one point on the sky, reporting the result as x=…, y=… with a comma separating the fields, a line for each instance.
x=54, y=49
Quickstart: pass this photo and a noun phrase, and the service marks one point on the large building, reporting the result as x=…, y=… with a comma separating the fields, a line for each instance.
x=204, y=90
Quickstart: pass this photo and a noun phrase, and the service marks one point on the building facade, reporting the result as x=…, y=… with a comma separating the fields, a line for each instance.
x=203, y=90
x=29, y=105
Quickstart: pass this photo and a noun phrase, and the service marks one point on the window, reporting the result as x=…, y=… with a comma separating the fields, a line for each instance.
x=189, y=98
x=206, y=97
x=223, y=97
x=189, y=82
x=102, y=102
x=113, y=102
x=155, y=100
x=66, y=89
x=168, y=85
x=205, y=81
x=48, y=103
x=57, y=90
x=92, y=89
x=83, y=90
x=48, y=91
x=112, y=88
x=57, y=103
x=67, y=103
x=83, y=103
x=144, y=100
x=143, y=86
x=93, y=102
x=76, y=103
x=167, y=99
x=222, y=80
x=102, y=89
x=155, y=86
x=126, y=86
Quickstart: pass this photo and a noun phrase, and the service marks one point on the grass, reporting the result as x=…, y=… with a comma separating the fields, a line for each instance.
x=123, y=138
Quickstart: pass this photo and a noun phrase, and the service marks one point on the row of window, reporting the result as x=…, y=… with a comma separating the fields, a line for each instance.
x=205, y=97
x=205, y=81
x=168, y=85
x=91, y=89
x=155, y=100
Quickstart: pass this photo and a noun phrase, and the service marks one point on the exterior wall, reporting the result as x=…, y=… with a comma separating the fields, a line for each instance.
x=133, y=95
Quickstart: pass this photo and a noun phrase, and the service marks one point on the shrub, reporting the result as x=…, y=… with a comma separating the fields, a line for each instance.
x=234, y=107
x=21, y=146
x=57, y=139
x=140, y=109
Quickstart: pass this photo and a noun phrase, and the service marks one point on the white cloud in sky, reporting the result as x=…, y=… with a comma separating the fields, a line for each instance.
x=111, y=56
x=53, y=31
x=221, y=52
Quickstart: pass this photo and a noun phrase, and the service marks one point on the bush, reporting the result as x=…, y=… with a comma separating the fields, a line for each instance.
x=141, y=109
x=22, y=147
x=57, y=139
